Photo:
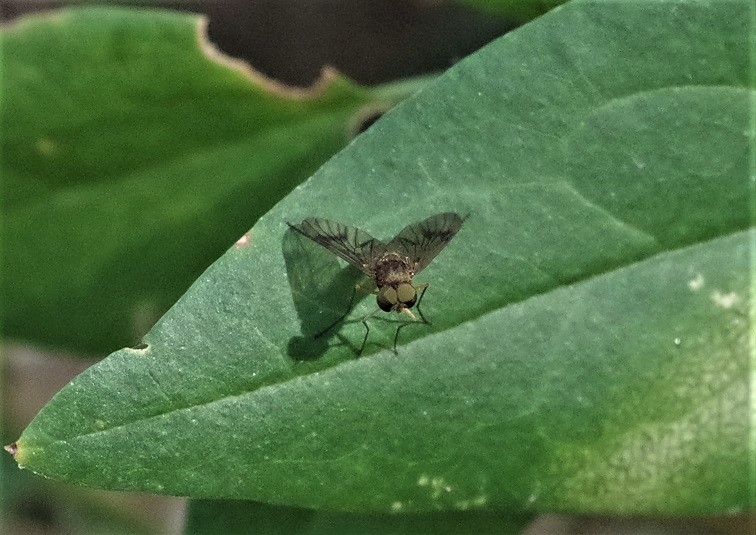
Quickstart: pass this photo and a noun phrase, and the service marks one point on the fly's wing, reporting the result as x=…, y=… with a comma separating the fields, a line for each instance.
x=422, y=241
x=352, y=244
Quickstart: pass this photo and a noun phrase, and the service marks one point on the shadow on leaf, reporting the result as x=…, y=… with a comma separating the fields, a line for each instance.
x=322, y=291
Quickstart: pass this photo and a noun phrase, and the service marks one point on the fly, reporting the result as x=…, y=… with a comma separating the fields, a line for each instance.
x=392, y=265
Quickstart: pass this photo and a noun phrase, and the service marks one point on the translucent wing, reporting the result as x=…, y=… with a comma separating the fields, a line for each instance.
x=352, y=244
x=422, y=241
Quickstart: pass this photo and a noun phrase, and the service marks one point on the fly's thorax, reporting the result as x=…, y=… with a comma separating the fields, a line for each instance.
x=393, y=276
x=392, y=269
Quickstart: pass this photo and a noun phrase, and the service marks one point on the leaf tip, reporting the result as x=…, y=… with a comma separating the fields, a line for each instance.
x=12, y=449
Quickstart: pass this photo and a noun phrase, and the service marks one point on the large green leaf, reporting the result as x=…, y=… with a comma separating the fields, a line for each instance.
x=132, y=159
x=591, y=322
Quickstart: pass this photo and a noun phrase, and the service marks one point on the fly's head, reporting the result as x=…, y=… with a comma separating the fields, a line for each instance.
x=399, y=299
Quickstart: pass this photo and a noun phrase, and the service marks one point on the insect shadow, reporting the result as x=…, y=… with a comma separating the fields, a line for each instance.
x=321, y=290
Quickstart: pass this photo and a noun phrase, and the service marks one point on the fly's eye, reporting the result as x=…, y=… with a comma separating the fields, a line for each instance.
x=387, y=298
x=406, y=294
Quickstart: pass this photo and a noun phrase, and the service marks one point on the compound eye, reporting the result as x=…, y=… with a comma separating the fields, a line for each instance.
x=386, y=298
x=406, y=294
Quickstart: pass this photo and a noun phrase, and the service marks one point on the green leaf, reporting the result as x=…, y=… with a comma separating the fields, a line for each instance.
x=591, y=322
x=133, y=156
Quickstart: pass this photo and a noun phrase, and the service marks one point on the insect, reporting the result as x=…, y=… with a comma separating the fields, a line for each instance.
x=392, y=265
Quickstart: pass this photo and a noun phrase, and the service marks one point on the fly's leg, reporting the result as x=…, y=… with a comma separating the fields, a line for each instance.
x=364, y=340
x=420, y=300
x=367, y=332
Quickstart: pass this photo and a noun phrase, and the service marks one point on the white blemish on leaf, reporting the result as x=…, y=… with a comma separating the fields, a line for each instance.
x=396, y=507
x=423, y=481
x=439, y=486
x=477, y=501
x=696, y=283
x=726, y=301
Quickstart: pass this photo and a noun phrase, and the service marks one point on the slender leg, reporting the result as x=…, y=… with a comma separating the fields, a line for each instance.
x=420, y=300
x=364, y=340
x=396, y=336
